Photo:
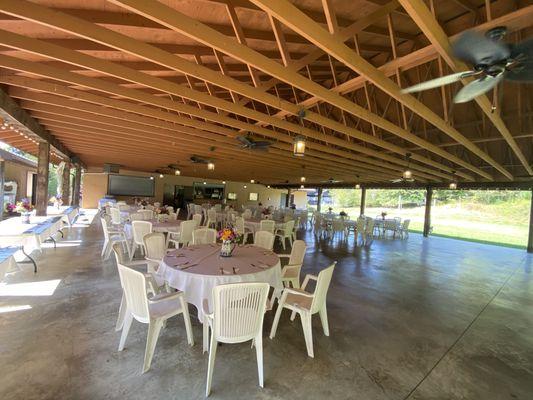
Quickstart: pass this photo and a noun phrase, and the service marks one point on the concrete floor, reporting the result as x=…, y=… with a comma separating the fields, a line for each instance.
x=414, y=319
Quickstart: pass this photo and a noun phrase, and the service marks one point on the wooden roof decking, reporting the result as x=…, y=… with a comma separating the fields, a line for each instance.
x=147, y=84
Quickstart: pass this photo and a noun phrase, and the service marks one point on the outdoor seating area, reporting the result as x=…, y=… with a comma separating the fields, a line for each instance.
x=266, y=199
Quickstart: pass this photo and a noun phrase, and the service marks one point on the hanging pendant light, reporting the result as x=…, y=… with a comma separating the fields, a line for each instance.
x=177, y=172
x=358, y=186
x=408, y=174
x=210, y=166
x=252, y=181
x=453, y=185
x=299, y=146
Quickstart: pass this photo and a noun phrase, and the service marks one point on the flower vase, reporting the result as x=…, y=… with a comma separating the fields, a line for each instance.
x=226, y=249
x=25, y=217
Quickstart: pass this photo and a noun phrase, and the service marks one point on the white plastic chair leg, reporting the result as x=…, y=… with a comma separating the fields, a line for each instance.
x=324, y=319
x=276, y=317
x=121, y=313
x=259, y=352
x=205, y=340
x=104, y=248
x=187, y=319
x=211, y=364
x=283, y=239
x=308, y=332
x=128, y=319
x=133, y=249
x=153, y=334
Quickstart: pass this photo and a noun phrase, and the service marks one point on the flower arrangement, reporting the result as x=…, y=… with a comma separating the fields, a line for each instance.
x=266, y=211
x=343, y=214
x=161, y=210
x=10, y=208
x=24, y=206
x=227, y=235
x=56, y=200
x=330, y=209
x=383, y=214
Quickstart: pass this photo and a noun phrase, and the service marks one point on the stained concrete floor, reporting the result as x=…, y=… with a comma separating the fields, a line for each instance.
x=414, y=319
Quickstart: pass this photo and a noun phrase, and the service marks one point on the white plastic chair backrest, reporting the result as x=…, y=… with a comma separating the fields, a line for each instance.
x=204, y=236
x=390, y=224
x=232, y=216
x=150, y=207
x=338, y=225
x=134, y=286
x=186, y=230
x=198, y=209
x=247, y=214
x=297, y=252
x=212, y=214
x=147, y=214
x=157, y=204
x=296, y=224
x=104, y=228
x=155, y=245
x=370, y=225
x=360, y=225
x=322, y=286
x=238, y=311
x=226, y=209
x=289, y=226
x=405, y=224
x=172, y=217
x=218, y=207
x=140, y=228
x=239, y=225
x=120, y=255
x=197, y=218
x=170, y=209
x=178, y=211
x=115, y=216
x=267, y=225
x=136, y=216
x=264, y=239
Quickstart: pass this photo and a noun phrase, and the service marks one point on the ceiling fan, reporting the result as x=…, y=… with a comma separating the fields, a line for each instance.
x=331, y=180
x=407, y=175
x=251, y=144
x=168, y=169
x=198, y=160
x=492, y=59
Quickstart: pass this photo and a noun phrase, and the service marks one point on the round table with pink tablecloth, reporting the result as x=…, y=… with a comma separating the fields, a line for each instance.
x=197, y=269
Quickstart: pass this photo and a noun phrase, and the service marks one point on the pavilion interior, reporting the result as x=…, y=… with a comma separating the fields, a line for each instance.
x=162, y=89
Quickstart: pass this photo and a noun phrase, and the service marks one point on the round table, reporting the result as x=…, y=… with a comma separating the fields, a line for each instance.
x=254, y=224
x=197, y=269
x=164, y=227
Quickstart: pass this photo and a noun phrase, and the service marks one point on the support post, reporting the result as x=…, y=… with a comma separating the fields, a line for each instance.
x=65, y=190
x=363, y=201
x=427, y=214
x=530, y=238
x=2, y=177
x=288, y=198
x=319, y=200
x=41, y=198
x=77, y=186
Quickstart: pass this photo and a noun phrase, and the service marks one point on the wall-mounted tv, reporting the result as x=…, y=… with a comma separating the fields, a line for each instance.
x=232, y=196
x=208, y=191
x=126, y=185
x=253, y=196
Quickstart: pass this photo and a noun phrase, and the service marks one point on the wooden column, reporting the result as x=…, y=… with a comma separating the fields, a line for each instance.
x=77, y=187
x=319, y=200
x=427, y=215
x=41, y=196
x=65, y=190
x=530, y=238
x=363, y=201
x=2, y=174
x=288, y=198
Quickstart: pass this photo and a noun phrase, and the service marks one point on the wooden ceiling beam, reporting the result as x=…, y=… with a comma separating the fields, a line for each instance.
x=325, y=152
x=300, y=23
x=436, y=35
x=194, y=29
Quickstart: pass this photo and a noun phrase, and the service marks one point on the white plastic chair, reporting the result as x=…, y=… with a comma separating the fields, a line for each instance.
x=369, y=231
x=211, y=218
x=204, y=236
x=112, y=236
x=136, y=217
x=155, y=247
x=197, y=218
x=267, y=225
x=404, y=229
x=115, y=216
x=290, y=273
x=285, y=233
x=306, y=304
x=247, y=214
x=184, y=236
x=139, y=228
x=241, y=229
x=154, y=311
x=264, y=239
x=295, y=228
x=238, y=311
x=360, y=229
x=147, y=214
x=172, y=217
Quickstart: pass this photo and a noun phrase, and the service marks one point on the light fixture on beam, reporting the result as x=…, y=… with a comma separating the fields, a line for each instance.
x=177, y=172
x=245, y=186
x=299, y=146
x=408, y=174
x=161, y=175
x=152, y=178
x=453, y=185
x=302, y=187
x=252, y=181
x=302, y=179
x=358, y=186
x=223, y=182
x=210, y=166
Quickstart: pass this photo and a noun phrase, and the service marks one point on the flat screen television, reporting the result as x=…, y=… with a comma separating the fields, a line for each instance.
x=232, y=196
x=254, y=196
x=127, y=185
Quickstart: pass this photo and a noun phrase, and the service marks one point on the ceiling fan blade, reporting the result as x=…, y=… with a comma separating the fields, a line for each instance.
x=262, y=144
x=475, y=48
x=524, y=71
x=443, y=80
x=244, y=140
x=397, y=180
x=477, y=87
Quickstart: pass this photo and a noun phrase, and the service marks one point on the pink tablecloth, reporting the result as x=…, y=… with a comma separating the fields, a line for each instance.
x=196, y=270
x=253, y=224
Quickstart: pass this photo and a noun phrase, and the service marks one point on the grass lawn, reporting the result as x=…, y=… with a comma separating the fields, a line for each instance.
x=504, y=224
